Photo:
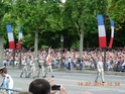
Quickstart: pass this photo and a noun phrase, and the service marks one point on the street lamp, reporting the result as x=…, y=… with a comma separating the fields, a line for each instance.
x=62, y=41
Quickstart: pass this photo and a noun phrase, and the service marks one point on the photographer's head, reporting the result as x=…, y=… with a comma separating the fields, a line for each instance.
x=25, y=93
x=39, y=86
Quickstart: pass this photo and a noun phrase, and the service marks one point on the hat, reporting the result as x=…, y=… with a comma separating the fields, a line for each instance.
x=1, y=69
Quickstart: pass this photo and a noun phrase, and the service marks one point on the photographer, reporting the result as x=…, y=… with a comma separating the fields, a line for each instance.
x=42, y=86
x=7, y=80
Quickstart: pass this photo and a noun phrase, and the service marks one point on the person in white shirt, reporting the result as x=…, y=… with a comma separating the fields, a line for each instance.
x=100, y=70
x=7, y=81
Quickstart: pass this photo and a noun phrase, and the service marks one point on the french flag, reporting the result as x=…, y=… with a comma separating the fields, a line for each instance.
x=112, y=33
x=101, y=32
x=18, y=46
x=48, y=60
x=10, y=37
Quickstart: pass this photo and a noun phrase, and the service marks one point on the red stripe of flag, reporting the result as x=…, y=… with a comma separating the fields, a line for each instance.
x=102, y=42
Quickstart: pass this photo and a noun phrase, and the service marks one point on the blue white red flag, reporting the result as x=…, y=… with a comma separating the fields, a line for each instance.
x=112, y=33
x=19, y=39
x=101, y=32
x=10, y=37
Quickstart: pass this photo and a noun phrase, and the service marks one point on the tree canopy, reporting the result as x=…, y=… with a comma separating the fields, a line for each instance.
x=52, y=18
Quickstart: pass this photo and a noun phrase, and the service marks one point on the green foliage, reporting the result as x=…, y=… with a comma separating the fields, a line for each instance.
x=116, y=11
x=80, y=12
x=51, y=19
x=4, y=8
x=39, y=15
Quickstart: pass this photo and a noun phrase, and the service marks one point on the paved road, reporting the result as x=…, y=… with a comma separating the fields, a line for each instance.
x=76, y=83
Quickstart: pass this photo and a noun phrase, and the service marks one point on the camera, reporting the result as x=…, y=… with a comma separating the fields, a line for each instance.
x=56, y=87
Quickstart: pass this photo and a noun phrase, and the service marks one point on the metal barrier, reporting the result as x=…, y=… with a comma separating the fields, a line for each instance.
x=6, y=90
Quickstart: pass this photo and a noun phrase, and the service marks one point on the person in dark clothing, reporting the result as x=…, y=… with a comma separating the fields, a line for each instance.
x=39, y=86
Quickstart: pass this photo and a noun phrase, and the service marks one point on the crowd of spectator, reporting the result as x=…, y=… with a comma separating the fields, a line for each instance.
x=114, y=58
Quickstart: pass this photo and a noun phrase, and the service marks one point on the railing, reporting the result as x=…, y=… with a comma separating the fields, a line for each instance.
x=6, y=90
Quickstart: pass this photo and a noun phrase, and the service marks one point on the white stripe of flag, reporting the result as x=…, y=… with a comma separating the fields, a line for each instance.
x=101, y=32
x=112, y=33
x=10, y=37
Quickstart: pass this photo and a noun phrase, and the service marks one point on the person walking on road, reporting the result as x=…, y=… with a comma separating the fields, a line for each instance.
x=40, y=67
x=24, y=69
x=48, y=64
x=32, y=69
x=100, y=70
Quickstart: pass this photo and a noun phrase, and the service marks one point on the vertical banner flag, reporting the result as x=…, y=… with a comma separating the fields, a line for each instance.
x=10, y=37
x=48, y=61
x=18, y=46
x=48, y=58
x=112, y=33
x=101, y=32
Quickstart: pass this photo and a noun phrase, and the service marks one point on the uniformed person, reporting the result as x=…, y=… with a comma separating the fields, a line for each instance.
x=48, y=64
x=32, y=69
x=24, y=69
x=40, y=67
x=100, y=70
x=7, y=80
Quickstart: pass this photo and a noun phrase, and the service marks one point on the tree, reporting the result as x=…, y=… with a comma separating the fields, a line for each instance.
x=81, y=14
x=5, y=8
x=116, y=9
x=37, y=17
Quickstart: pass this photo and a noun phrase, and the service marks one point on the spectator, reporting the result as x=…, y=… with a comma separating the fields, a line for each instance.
x=5, y=62
x=42, y=86
x=39, y=86
x=123, y=65
x=110, y=66
x=69, y=63
x=7, y=81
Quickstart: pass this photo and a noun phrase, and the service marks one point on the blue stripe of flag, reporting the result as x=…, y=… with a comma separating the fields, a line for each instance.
x=112, y=23
x=100, y=20
x=18, y=28
x=9, y=29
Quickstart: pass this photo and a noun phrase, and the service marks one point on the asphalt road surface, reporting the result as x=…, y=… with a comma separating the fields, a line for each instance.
x=76, y=83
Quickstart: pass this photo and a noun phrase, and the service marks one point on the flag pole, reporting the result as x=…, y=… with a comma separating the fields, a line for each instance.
x=20, y=63
x=105, y=29
x=13, y=57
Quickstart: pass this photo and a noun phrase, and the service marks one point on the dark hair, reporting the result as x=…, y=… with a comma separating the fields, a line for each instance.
x=3, y=70
x=39, y=86
x=25, y=93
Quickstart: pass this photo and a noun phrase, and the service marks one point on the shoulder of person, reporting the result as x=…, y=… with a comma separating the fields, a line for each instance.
x=8, y=78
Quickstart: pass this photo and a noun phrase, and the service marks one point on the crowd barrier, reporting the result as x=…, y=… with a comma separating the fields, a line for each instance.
x=5, y=91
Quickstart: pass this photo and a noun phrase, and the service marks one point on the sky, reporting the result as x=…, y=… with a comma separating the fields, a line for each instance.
x=63, y=1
